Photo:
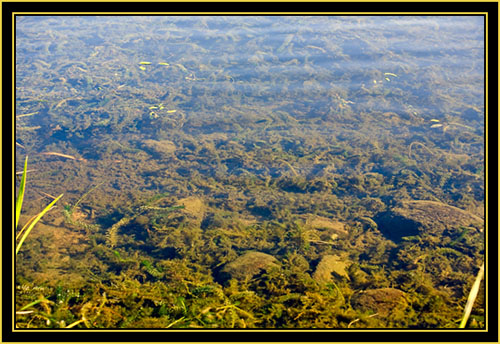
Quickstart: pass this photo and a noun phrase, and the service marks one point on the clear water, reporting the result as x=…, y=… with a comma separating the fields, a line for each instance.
x=308, y=65
x=264, y=118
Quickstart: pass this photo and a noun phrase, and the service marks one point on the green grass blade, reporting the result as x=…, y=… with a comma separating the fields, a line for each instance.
x=39, y=216
x=33, y=303
x=20, y=233
x=20, y=196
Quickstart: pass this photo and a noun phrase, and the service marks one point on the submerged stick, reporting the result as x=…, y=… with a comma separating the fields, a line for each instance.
x=21, y=172
x=421, y=145
x=26, y=114
x=358, y=319
x=460, y=125
x=63, y=155
x=46, y=194
x=290, y=166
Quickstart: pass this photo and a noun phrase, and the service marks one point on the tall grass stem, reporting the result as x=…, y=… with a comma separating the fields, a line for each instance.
x=34, y=222
x=20, y=196
x=472, y=297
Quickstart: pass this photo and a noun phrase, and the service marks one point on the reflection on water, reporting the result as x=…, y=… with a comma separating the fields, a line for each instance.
x=188, y=141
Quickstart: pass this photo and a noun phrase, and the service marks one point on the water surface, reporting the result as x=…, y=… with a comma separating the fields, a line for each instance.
x=208, y=137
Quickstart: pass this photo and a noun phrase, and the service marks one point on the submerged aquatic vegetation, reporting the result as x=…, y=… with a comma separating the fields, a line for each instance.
x=287, y=144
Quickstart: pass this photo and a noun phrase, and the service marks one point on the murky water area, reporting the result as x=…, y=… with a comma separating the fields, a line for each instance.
x=251, y=171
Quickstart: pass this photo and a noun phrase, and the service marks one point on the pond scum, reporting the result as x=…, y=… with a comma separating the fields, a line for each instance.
x=182, y=168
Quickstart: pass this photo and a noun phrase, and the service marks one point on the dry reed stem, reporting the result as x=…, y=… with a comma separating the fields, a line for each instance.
x=472, y=297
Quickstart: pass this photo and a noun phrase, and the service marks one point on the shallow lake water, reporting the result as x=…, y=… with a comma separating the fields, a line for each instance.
x=183, y=144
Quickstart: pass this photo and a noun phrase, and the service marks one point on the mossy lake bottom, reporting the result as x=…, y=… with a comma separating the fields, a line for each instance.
x=218, y=177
